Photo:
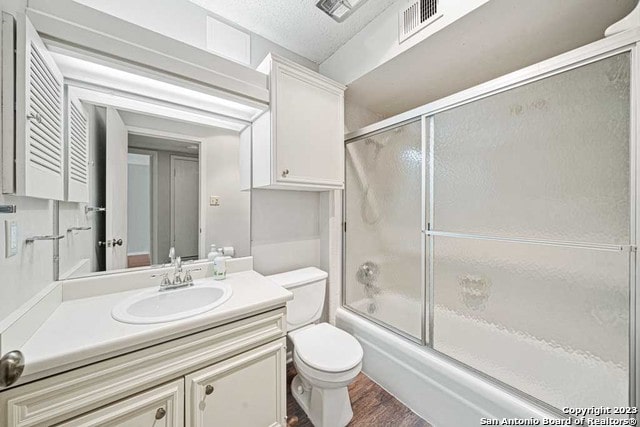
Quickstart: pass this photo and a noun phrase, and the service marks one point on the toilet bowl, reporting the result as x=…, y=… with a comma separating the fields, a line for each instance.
x=326, y=358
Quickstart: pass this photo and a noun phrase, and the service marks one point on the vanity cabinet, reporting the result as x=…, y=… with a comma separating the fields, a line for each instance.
x=243, y=391
x=298, y=143
x=230, y=375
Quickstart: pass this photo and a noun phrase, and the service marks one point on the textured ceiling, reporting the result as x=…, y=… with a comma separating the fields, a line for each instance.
x=297, y=25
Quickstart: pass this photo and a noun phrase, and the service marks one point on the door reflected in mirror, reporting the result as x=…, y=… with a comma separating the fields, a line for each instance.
x=155, y=183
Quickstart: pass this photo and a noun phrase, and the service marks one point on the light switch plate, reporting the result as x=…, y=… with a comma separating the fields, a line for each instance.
x=11, y=238
x=214, y=201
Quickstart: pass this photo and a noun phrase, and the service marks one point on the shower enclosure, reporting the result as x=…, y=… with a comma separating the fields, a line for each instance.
x=498, y=229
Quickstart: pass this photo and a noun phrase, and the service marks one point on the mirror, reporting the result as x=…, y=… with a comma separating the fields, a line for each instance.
x=154, y=183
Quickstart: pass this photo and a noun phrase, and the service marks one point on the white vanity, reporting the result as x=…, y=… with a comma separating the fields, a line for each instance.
x=84, y=368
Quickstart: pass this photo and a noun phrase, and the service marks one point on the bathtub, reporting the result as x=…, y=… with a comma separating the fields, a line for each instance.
x=444, y=392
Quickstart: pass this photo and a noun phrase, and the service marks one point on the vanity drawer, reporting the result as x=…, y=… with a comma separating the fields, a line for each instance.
x=159, y=407
x=79, y=391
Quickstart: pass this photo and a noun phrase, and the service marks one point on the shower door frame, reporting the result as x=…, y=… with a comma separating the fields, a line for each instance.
x=628, y=41
x=423, y=291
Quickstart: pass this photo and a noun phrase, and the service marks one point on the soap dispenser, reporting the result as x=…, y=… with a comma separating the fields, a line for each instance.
x=219, y=265
x=211, y=257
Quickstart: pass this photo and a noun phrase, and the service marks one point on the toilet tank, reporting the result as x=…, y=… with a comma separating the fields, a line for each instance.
x=308, y=286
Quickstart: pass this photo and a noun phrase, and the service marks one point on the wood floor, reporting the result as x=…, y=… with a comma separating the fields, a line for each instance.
x=372, y=406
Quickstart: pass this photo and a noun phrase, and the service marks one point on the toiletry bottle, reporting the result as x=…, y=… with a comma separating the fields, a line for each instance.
x=211, y=256
x=219, y=266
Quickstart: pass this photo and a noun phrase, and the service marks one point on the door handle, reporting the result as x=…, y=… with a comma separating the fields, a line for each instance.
x=111, y=243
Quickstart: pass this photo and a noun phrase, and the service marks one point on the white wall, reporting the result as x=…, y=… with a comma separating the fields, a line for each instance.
x=285, y=230
x=377, y=43
x=229, y=223
x=356, y=116
x=25, y=274
x=297, y=229
x=185, y=21
x=76, y=249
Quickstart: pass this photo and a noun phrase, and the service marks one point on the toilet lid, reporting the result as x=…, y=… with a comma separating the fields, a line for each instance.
x=327, y=348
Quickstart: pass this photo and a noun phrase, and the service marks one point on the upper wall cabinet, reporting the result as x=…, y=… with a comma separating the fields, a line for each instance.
x=299, y=143
x=39, y=102
x=77, y=150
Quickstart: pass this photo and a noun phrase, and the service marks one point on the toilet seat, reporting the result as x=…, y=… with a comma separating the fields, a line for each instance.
x=327, y=349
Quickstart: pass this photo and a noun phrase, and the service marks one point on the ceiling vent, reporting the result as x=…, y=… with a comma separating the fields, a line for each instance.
x=339, y=10
x=416, y=16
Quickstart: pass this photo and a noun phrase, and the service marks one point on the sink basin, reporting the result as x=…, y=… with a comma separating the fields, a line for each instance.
x=153, y=306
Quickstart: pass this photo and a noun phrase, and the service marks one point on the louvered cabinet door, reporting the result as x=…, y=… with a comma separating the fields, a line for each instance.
x=77, y=150
x=39, y=118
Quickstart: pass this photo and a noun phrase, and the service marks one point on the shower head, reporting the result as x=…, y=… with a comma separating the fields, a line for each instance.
x=377, y=146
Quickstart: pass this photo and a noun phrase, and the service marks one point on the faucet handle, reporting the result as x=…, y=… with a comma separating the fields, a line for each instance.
x=187, y=276
x=165, y=279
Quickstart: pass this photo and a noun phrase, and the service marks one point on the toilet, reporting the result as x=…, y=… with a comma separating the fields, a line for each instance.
x=327, y=359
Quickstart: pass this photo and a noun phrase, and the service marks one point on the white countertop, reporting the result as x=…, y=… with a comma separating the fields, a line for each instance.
x=82, y=331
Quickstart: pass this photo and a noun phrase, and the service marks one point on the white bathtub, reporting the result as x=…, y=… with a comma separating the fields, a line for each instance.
x=446, y=394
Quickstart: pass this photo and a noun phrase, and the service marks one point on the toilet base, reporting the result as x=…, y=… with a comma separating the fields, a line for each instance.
x=324, y=407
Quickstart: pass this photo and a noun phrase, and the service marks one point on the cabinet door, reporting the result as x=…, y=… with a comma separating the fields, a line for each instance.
x=309, y=129
x=162, y=406
x=77, y=150
x=246, y=390
x=39, y=117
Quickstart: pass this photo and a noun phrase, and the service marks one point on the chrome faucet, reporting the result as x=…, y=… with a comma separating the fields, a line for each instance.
x=177, y=270
x=172, y=255
x=177, y=282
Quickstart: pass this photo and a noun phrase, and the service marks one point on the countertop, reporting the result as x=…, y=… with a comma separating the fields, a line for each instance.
x=82, y=331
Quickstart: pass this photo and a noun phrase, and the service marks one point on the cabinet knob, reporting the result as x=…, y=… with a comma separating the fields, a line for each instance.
x=37, y=117
x=160, y=413
x=208, y=390
x=11, y=367
x=285, y=173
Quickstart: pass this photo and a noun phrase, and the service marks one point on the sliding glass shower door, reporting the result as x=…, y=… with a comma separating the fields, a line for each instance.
x=531, y=233
x=499, y=233
x=383, y=214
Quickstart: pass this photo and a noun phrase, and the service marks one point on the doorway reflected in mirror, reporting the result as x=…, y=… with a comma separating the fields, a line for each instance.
x=155, y=183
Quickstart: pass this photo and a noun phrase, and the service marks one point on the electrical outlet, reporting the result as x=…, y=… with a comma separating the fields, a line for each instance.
x=214, y=201
x=11, y=238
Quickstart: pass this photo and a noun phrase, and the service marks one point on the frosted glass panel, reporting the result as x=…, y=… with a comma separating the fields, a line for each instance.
x=548, y=160
x=383, y=239
x=551, y=321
